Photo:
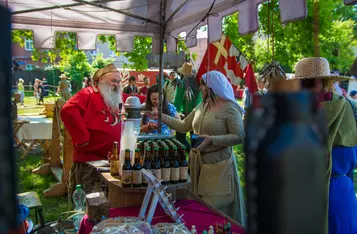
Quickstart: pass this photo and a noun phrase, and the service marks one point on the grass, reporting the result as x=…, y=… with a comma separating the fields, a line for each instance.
x=30, y=107
x=27, y=181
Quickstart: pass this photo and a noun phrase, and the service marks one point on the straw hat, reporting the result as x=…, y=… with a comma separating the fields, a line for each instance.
x=186, y=69
x=315, y=68
x=102, y=71
x=63, y=76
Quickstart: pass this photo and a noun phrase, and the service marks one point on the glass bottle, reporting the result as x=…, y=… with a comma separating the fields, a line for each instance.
x=175, y=168
x=183, y=166
x=114, y=160
x=127, y=170
x=155, y=165
x=137, y=175
x=286, y=165
x=147, y=165
x=165, y=169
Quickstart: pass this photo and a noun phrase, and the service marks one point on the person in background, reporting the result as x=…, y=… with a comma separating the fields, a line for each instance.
x=170, y=87
x=341, y=148
x=21, y=91
x=45, y=87
x=91, y=118
x=187, y=97
x=36, y=92
x=353, y=95
x=152, y=104
x=85, y=82
x=213, y=169
x=144, y=90
x=64, y=87
x=41, y=92
x=131, y=87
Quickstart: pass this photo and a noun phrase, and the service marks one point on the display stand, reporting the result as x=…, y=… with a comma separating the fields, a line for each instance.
x=60, y=169
x=159, y=195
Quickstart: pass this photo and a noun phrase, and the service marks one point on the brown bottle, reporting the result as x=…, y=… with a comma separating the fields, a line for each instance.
x=114, y=160
x=127, y=170
x=137, y=175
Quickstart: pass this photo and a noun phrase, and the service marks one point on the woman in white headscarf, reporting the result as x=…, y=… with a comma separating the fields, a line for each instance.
x=218, y=121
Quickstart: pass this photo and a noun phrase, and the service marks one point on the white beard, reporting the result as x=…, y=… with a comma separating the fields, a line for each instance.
x=112, y=98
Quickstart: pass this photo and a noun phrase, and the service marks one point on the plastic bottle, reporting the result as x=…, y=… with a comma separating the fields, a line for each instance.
x=79, y=197
x=193, y=229
x=210, y=231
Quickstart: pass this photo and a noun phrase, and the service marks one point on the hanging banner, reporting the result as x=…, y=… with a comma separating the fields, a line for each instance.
x=223, y=56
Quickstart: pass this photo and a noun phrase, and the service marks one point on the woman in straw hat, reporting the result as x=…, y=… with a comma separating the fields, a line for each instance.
x=341, y=203
x=213, y=169
x=64, y=87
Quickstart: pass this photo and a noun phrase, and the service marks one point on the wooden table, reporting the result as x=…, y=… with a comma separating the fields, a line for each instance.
x=127, y=197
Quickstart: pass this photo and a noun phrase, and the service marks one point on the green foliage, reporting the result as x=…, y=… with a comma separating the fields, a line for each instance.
x=138, y=57
x=76, y=67
x=111, y=43
x=337, y=45
x=100, y=62
x=293, y=41
x=244, y=43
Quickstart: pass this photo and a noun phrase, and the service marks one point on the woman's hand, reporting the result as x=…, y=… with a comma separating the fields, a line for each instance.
x=206, y=142
x=153, y=114
x=153, y=125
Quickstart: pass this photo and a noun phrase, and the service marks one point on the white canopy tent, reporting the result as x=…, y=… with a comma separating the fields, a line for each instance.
x=129, y=18
x=159, y=19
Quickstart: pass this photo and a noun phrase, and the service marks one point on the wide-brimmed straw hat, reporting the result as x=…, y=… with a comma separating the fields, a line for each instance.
x=63, y=76
x=315, y=68
x=185, y=69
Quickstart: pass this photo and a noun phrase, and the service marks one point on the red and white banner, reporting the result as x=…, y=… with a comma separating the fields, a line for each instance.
x=223, y=56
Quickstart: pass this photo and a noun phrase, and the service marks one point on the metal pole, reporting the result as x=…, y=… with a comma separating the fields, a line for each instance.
x=161, y=59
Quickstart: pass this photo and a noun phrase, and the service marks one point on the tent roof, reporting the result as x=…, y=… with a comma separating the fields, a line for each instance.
x=129, y=18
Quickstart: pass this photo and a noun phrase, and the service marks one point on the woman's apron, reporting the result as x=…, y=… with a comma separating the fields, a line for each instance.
x=218, y=183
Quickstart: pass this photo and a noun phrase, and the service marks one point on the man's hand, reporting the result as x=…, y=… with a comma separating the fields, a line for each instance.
x=206, y=142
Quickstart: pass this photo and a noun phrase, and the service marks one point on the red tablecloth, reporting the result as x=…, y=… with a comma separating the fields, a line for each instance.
x=194, y=214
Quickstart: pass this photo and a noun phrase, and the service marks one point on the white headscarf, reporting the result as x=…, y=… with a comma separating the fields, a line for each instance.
x=221, y=87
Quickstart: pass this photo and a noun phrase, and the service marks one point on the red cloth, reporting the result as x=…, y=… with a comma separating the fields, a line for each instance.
x=84, y=117
x=141, y=97
x=194, y=214
x=250, y=80
x=144, y=90
x=227, y=63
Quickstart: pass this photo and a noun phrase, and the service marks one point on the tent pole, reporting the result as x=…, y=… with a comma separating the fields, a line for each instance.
x=161, y=60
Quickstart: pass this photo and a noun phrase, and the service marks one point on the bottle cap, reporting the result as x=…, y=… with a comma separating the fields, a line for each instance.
x=78, y=186
x=127, y=150
x=137, y=150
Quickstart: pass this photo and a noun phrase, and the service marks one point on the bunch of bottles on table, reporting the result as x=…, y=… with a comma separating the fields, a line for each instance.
x=165, y=159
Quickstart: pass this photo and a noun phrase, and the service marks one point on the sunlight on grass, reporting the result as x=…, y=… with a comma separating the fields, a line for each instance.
x=27, y=181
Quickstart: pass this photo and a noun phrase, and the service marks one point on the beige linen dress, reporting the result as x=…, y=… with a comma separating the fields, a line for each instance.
x=213, y=170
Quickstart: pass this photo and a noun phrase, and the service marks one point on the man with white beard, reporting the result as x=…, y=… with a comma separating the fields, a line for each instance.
x=91, y=117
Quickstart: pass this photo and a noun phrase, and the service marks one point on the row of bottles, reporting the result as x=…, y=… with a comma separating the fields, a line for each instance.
x=227, y=229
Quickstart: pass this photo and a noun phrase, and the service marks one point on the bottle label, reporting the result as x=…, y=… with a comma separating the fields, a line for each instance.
x=157, y=173
x=114, y=167
x=127, y=175
x=183, y=173
x=137, y=177
x=165, y=174
x=145, y=181
x=175, y=174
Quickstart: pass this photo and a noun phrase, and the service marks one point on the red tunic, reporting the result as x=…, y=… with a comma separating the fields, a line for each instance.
x=84, y=116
